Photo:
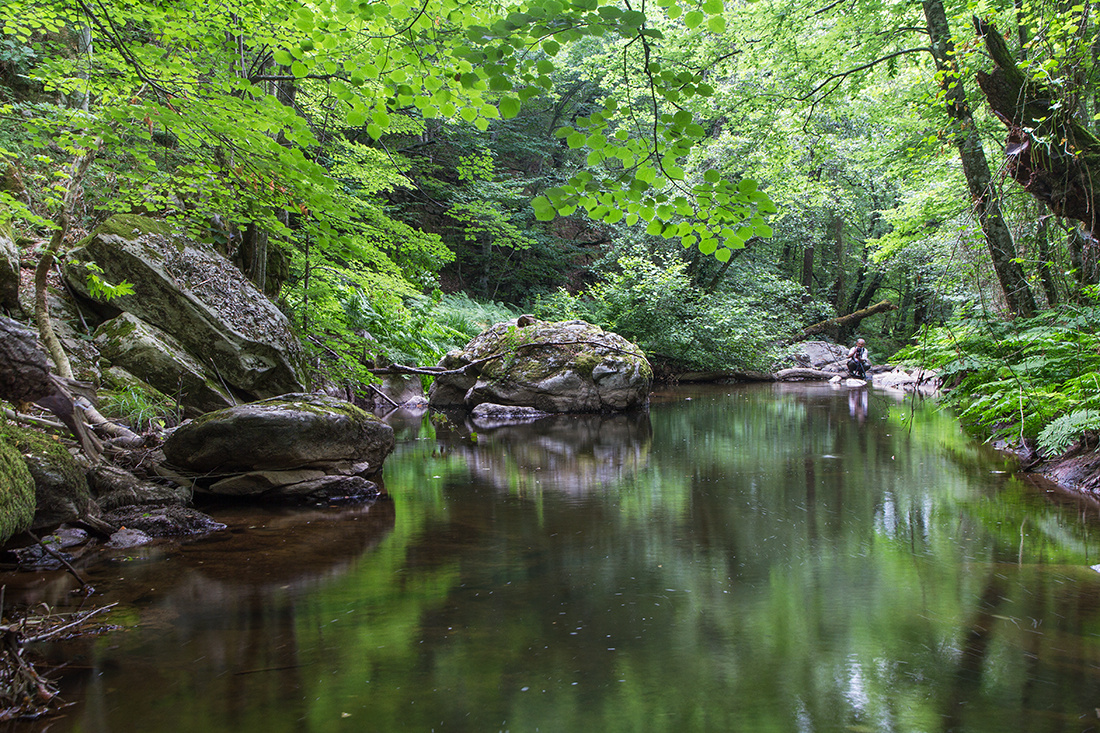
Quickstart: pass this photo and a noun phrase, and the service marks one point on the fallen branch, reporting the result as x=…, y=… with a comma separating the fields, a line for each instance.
x=849, y=321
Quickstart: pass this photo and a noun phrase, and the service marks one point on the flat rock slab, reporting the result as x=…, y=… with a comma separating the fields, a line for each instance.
x=294, y=431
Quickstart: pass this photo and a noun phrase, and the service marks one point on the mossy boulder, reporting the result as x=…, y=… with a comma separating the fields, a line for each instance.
x=568, y=366
x=161, y=361
x=61, y=492
x=16, y=492
x=261, y=447
x=195, y=295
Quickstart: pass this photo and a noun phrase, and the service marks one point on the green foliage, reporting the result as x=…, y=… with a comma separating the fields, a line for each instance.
x=140, y=409
x=100, y=289
x=657, y=307
x=1038, y=378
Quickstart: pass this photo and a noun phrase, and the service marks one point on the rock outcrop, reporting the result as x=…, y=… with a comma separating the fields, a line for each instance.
x=195, y=295
x=570, y=366
x=294, y=446
x=160, y=361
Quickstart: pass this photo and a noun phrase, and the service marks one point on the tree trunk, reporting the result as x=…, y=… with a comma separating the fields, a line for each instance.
x=1046, y=263
x=840, y=250
x=808, y=272
x=986, y=202
x=872, y=288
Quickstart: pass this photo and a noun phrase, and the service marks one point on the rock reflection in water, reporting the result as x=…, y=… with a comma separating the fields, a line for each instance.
x=574, y=454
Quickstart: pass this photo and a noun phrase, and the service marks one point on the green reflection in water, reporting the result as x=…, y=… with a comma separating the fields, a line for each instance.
x=749, y=559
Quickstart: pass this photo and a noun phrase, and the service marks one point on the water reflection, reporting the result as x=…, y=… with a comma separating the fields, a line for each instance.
x=759, y=558
x=575, y=454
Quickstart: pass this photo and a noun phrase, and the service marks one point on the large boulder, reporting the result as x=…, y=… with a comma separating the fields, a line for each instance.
x=197, y=296
x=569, y=366
x=297, y=445
x=61, y=492
x=157, y=359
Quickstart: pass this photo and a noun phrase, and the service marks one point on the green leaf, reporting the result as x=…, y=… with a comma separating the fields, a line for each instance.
x=693, y=20
x=509, y=107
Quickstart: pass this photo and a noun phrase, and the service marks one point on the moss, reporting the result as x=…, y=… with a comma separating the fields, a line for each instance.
x=585, y=362
x=16, y=492
x=117, y=329
x=132, y=226
x=53, y=452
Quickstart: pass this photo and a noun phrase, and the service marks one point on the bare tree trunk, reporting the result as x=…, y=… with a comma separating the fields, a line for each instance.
x=986, y=202
x=62, y=220
x=808, y=272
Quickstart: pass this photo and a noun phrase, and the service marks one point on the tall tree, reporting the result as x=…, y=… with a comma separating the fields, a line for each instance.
x=984, y=196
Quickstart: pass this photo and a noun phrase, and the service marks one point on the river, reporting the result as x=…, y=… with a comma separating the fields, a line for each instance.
x=746, y=558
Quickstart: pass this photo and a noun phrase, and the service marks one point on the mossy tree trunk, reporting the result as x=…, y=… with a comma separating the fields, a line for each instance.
x=986, y=202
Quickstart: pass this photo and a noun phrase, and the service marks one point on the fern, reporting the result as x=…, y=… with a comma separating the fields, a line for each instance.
x=1057, y=437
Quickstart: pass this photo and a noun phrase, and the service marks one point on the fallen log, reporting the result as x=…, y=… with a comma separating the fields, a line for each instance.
x=849, y=321
x=787, y=375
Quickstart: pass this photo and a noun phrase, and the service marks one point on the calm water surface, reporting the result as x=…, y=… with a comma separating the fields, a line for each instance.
x=762, y=558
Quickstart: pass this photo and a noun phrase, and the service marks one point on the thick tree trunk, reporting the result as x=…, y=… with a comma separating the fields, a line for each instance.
x=986, y=202
x=1063, y=176
x=841, y=248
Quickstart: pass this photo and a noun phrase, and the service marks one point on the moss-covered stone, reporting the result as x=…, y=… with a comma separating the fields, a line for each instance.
x=16, y=492
x=61, y=490
x=133, y=226
x=571, y=366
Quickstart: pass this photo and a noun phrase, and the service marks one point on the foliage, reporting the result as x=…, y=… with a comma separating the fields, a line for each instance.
x=656, y=306
x=140, y=409
x=1035, y=378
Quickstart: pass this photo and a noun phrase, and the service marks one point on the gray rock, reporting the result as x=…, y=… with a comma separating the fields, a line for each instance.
x=128, y=537
x=163, y=521
x=259, y=482
x=820, y=355
x=289, y=432
x=570, y=366
x=490, y=415
x=115, y=488
x=197, y=296
x=156, y=358
x=61, y=490
x=327, y=488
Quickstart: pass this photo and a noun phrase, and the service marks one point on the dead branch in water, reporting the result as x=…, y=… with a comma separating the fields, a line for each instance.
x=24, y=693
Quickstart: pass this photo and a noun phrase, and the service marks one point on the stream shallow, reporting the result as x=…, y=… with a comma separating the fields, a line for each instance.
x=745, y=558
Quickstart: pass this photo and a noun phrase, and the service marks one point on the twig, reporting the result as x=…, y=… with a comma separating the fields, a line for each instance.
x=60, y=558
x=31, y=420
x=77, y=622
x=384, y=396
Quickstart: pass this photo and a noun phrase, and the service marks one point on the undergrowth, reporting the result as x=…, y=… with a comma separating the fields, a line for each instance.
x=1030, y=379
